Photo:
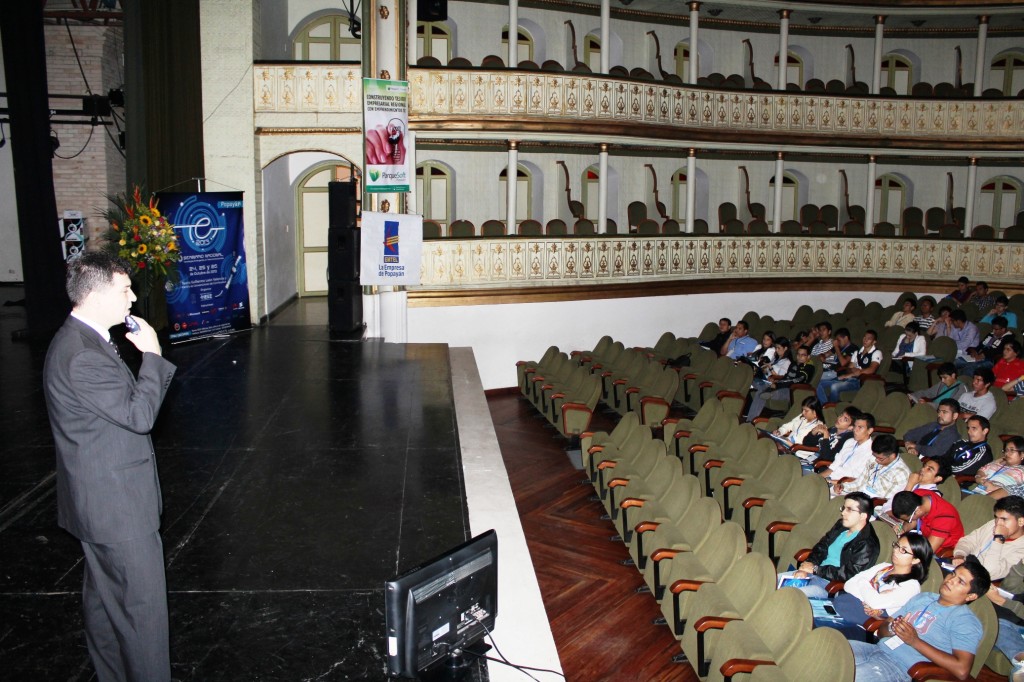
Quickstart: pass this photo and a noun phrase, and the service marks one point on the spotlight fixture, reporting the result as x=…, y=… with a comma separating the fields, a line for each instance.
x=814, y=20
x=715, y=11
x=918, y=23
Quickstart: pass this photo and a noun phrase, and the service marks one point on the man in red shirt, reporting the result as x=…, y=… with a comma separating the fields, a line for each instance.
x=934, y=517
x=1011, y=367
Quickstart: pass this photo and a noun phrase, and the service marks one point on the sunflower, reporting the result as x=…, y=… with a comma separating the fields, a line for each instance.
x=145, y=220
x=142, y=249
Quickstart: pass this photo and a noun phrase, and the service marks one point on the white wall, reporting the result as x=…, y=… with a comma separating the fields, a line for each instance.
x=502, y=334
x=279, y=230
x=10, y=254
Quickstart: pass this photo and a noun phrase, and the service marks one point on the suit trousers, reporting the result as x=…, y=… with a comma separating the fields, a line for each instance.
x=124, y=598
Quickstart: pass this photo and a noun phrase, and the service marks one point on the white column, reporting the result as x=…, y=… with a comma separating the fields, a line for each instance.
x=606, y=35
x=602, y=187
x=777, y=208
x=513, y=33
x=691, y=187
x=783, y=49
x=979, y=57
x=694, y=21
x=869, y=200
x=972, y=181
x=412, y=18
x=411, y=198
x=511, y=186
x=876, y=74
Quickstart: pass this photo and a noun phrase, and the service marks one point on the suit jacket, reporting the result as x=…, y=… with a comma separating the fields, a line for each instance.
x=101, y=416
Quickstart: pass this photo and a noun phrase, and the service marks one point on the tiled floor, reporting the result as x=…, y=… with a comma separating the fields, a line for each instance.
x=298, y=474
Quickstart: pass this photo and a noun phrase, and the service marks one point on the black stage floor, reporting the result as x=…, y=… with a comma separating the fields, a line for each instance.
x=298, y=474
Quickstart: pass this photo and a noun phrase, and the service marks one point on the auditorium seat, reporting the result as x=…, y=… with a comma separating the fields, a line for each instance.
x=736, y=82
x=460, y=229
x=556, y=228
x=885, y=229
x=619, y=71
x=835, y=87
x=921, y=89
x=916, y=231
x=830, y=216
x=431, y=229
x=791, y=227
x=858, y=88
x=528, y=65
x=734, y=226
x=583, y=227
x=1014, y=233
x=853, y=228
x=671, y=226
x=551, y=65
x=700, y=226
x=886, y=91
x=530, y=228
x=808, y=214
x=647, y=227
x=428, y=61
x=951, y=231
x=726, y=212
x=492, y=61
x=459, y=63
x=716, y=80
x=983, y=232
x=641, y=74
x=758, y=227
x=814, y=85
x=636, y=211
x=947, y=90
x=493, y=228
x=934, y=218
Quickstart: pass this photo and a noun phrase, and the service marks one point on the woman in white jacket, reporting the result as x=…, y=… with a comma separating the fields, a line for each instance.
x=801, y=425
x=888, y=586
x=910, y=345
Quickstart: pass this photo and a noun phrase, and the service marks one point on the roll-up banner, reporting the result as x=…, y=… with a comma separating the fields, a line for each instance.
x=386, y=120
x=212, y=295
x=391, y=248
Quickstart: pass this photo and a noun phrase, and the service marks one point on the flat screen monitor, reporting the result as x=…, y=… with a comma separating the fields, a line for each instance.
x=439, y=609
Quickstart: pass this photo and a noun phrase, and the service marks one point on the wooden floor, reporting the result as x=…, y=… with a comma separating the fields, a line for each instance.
x=602, y=627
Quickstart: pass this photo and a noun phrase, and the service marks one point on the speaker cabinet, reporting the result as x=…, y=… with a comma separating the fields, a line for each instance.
x=341, y=205
x=344, y=307
x=344, y=294
x=432, y=10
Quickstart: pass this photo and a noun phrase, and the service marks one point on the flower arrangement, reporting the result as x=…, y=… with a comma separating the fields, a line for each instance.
x=143, y=237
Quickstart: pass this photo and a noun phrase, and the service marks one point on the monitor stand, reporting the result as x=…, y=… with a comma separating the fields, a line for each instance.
x=458, y=666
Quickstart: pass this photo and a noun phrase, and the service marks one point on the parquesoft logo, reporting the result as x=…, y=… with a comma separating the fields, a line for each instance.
x=375, y=175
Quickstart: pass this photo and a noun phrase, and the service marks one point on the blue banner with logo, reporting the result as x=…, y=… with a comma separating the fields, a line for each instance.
x=212, y=294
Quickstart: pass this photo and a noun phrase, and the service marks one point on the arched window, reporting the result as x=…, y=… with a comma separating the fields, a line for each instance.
x=524, y=185
x=592, y=52
x=897, y=73
x=794, y=68
x=1008, y=73
x=327, y=38
x=1000, y=199
x=890, y=197
x=524, y=45
x=434, y=193
x=790, y=197
x=434, y=39
x=590, y=191
x=313, y=221
x=679, y=195
x=682, y=60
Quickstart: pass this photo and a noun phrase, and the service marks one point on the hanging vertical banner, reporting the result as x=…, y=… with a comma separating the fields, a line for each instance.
x=385, y=121
x=212, y=294
x=391, y=248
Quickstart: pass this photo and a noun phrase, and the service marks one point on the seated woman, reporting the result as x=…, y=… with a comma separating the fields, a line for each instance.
x=843, y=552
x=800, y=426
x=1009, y=371
x=910, y=345
x=763, y=354
x=1005, y=472
x=885, y=587
x=764, y=377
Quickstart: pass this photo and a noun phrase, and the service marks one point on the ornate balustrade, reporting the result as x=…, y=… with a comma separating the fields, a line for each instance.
x=525, y=95
x=523, y=262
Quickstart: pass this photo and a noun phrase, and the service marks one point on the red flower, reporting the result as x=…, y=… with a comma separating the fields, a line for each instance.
x=137, y=238
x=141, y=265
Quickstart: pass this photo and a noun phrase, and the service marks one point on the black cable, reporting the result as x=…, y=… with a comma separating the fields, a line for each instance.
x=79, y=152
x=520, y=668
x=74, y=49
x=117, y=145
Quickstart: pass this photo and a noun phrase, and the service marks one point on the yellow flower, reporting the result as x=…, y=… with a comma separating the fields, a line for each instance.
x=121, y=243
x=142, y=248
x=172, y=246
x=145, y=220
x=134, y=254
x=156, y=213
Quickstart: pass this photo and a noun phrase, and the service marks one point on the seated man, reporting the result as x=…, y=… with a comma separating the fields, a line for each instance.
x=865, y=360
x=967, y=455
x=935, y=440
x=1010, y=611
x=989, y=351
x=903, y=316
x=885, y=476
x=932, y=473
x=949, y=386
x=940, y=628
x=933, y=517
x=723, y=335
x=823, y=343
x=995, y=543
x=943, y=324
x=849, y=547
x=839, y=359
x=979, y=401
x=831, y=440
x=1001, y=309
x=924, y=318
x=739, y=343
x=1010, y=368
x=962, y=292
x=981, y=299
x=856, y=452
x=965, y=334
x=799, y=372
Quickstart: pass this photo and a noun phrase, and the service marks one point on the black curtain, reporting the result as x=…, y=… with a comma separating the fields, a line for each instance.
x=21, y=29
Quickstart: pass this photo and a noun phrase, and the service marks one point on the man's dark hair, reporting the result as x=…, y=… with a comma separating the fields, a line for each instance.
x=947, y=369
x=91, y=271
x=864, y=502
x=825, y=325
x=843, y=331
x=885, y=444
x=963, y=280
x=913, y=327
x=726, y=320
x=911, y=300
x=866, y=417
x=951, y=404
x=743, y=324
x=904, y=503
x=945, y=308
x=980, y=578
x=1014, y=344
x=999, y=321
x=986, y=374
x=958, y=315
x=1012, y=504
x=873, y=333
x=929, y=299
x=852, y=412
x=982, y=421
x=983, y=285
x=945, y=467
x=1002, y=299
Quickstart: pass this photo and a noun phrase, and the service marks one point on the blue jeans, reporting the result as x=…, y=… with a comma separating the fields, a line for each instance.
x=874, y=664
x=1010, y=640
x=828, y=391
x=759, y=398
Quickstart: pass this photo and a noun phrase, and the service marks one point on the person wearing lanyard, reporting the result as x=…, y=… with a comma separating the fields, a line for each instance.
x=885, y=476
x=939, y=628
x=934, y=440
x=934, y=517
x=996, y=543
x=968, y=455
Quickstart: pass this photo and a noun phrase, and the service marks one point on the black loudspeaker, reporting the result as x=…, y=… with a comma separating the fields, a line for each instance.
x=342, y=255
x=344, y=294
x=431, y=10
x=341, y=204
x=344, y=307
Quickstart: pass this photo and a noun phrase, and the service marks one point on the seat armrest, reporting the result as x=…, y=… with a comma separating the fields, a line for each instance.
x=686, y=586
x=801, y=555
x=712, y=623
x=926, y=670
x=835, y=587
x=780, y=526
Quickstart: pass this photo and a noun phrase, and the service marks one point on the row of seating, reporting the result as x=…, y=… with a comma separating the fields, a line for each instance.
x=563, y=391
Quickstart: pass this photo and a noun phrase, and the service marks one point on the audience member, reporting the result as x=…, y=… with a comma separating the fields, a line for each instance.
x=928, y=477
x=845, y=550
x=933, y=517
x=934, y=440
x=910, y=345
x=763, y=354
x=739, y=342
x=903, y=316
x=962, y=292
x=995, y=543
x=723, y=335
x=943, y=324
x=968, y=455
x=832, y=440
x=979, y=400
x=1000, y=309
x=1010, y=611
x=924, y=318
x=965, y=334
x=823, y=342
x=949, y=386
x=1007, y=472
x=885, y=587
x=763, y=376
x=989, y=351
x=883, y=477
x=856, y=452
x=865, y=360
x=778, y=387
x=1010, y=368
x=939, y=628
x=981, y=299
x=839, y=359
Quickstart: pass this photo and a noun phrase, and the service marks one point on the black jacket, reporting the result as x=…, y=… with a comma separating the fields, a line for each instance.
x=858, y=554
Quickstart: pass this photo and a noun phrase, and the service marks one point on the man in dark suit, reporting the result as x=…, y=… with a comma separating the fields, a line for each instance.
x=108, y=495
